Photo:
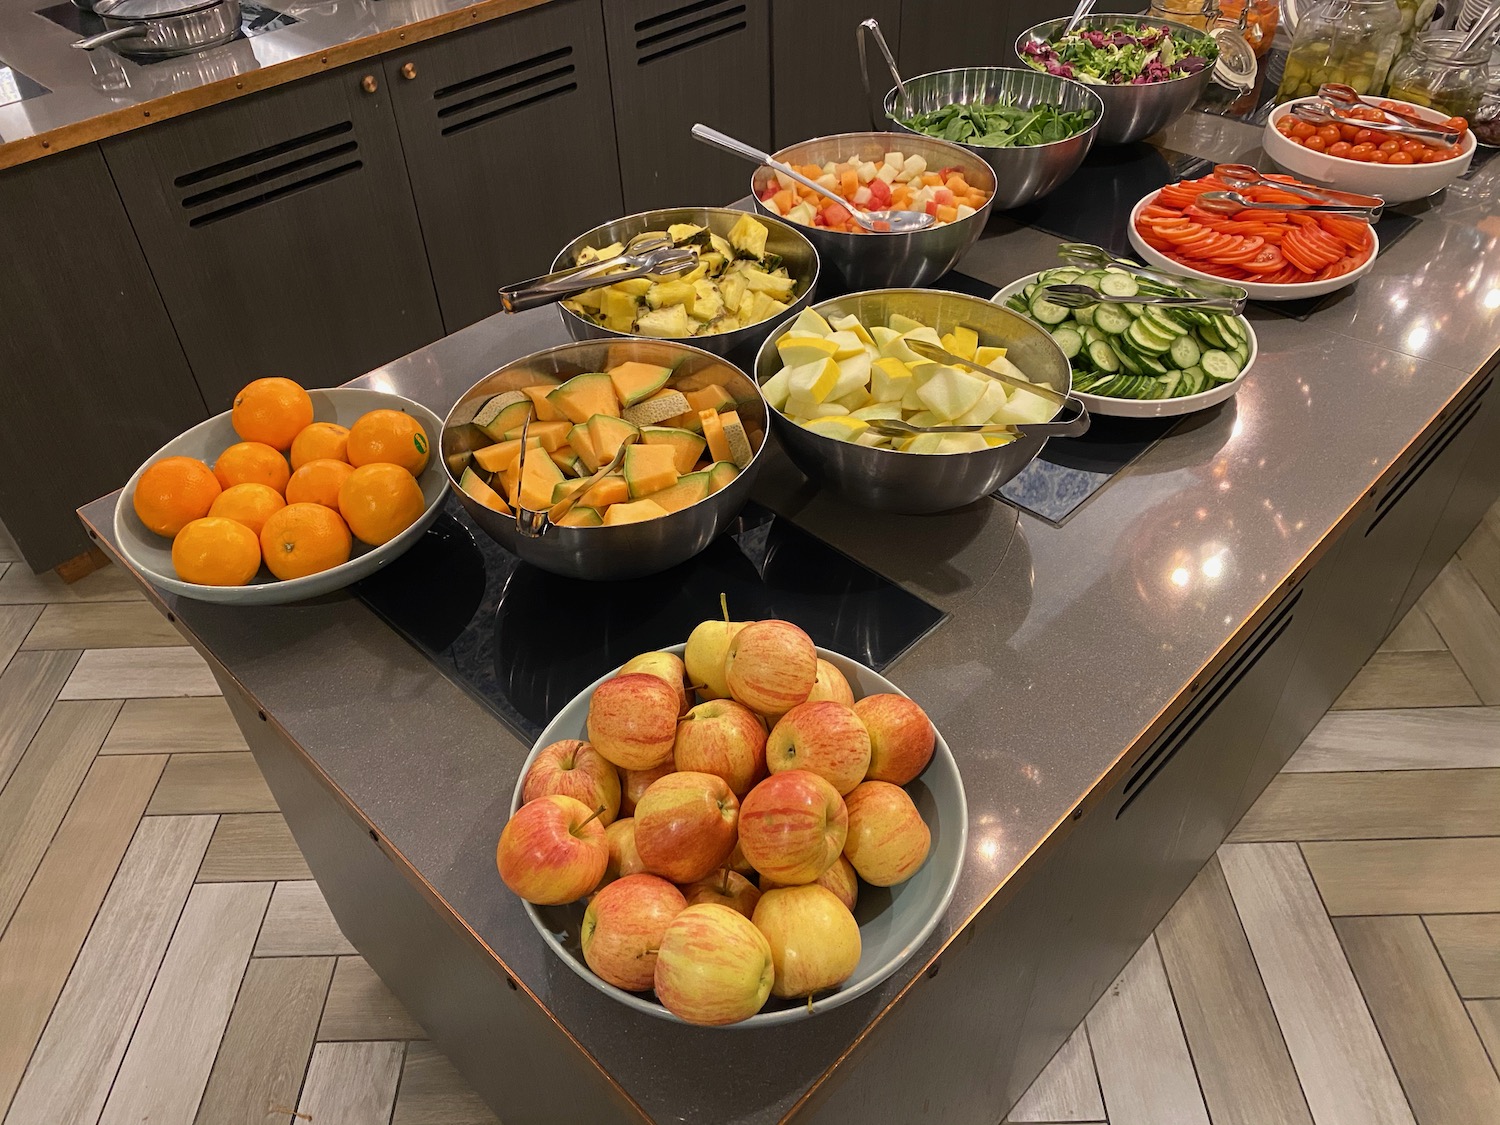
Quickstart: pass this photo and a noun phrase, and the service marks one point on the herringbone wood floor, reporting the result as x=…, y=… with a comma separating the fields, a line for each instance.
x=165, y=957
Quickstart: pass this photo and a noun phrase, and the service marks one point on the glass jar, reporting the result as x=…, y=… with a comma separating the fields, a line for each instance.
x=1258, y=23
x=1486, y=123
x=1194, y=13
x=1350, y=41
x=1435, y=75
x=1416, y=18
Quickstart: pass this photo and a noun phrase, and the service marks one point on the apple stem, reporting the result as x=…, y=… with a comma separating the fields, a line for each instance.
x=597, y=814
x=724, y=605
x=725, y=886
x=809, y=1003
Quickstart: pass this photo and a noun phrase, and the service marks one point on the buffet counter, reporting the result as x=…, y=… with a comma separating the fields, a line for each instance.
x=1072, y=658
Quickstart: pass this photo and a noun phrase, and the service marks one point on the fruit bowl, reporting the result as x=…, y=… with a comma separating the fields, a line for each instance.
x=151, y=554
x=1395, y=183
x=893, y=921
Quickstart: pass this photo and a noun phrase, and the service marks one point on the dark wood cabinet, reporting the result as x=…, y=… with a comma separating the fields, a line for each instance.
x=94, y=377
x=281, y=231
x=816, y=85
x=672, y=63
x=969, y=32
x=510, y=146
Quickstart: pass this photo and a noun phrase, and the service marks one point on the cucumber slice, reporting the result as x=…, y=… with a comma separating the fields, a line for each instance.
x=1085, y=315
x=1045, y=312
x=1231, y=330
x=1104, y=356
x=1134, y=309
x=1170, y=384
x=1185, y=351
x=1220, y=366
x=1070, y=340
x=1208, y=333
x=1129, y=362
x=1241, y=355
x=1119, y=285
x=1153, y=366
x=1112, y=319
x=1163, y=324
x=1145, y=340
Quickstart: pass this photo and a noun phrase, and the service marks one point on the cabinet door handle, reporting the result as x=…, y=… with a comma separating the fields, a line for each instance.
x=368, y=84
x=408, y=71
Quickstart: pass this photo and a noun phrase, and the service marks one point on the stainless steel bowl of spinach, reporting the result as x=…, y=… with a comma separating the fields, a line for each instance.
x=996, y=125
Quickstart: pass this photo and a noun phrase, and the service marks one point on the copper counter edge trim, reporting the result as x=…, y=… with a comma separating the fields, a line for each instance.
x=426, y=889
x=126, y=119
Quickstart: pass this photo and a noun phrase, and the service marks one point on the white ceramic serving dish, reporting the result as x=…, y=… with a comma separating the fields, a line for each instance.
x=893, y=921
x=152, y=555
x=1154, y=407
x=1258, y=290
x=1395, y=183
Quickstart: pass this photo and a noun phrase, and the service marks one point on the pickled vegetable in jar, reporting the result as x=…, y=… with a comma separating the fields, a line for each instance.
x=1416, y=18
x=1349, y=41
x=1259, y=23
x=1435, y=75
x=1193, y=13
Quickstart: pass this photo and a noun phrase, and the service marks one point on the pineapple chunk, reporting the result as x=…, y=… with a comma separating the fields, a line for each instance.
x=668, y=324
x=748, y=237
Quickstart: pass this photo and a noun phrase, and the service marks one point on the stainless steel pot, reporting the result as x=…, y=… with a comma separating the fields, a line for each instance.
x=162, y=29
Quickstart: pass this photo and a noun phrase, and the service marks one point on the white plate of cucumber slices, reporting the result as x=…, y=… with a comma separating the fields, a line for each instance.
x=1138, y=361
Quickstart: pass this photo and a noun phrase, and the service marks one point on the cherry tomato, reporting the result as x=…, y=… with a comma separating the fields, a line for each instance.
x=1412, y=147
x=1458, y=123
x=1361, y=136
x=1431, y=156
x=1330, y=134
x=1303, y=129
x=1401, y=158
x=1380, y=156
x=1347, y=132
x=1284, y=126
x=1340, y=148
x=1362, y=151
x=1389, y=146
x=1314, y=142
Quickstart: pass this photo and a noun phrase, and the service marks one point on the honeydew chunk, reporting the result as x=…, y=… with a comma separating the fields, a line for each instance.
x=829, y=180
x=915, y=165
x=887, y=173
x=964, y=211
x=739, y=441
x=866, y=171
x=925, y=418
x=951, y=392
x=961, y=443
x=852, y=401
x=854, y=375
x=883, y=336
x=987, y=355
x=777, y=387
x=921, y=443
x=879, y=410
x=919, y=377
x=889, y=379
x=895, y=348
x=803, y=214
x=814, y=380
x=962, y=342
x=992, y=400
x=851, y=323
x=922, y=332
x=895, y=160
x=827, y=410
x=831, y=168
x=848, y=344
x=993, y=440
x=872, y=439
x=1024, y=406
x=770, y=204
x=903, y=324
x=786, y=181
x=795, y=351
x=800, y=409
x=838, y=427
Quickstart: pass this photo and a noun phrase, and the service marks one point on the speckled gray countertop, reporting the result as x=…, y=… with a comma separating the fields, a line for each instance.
x=1012, y=678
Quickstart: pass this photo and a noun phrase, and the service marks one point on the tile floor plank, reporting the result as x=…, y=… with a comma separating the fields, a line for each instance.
x=1067, y=1090
x=15, y=622
x=1469, y=626
x=18, y=586
x=172, y=1050
x=265, y=1050
x=9, y=552
x=1243, y=1066
x=1413, y=633
x=27, y=688
x=434, y=1093
x=35, y=800
x=174, y=726
x=102, y=625
x=1407, y=876
x=299, y=924
x=1486, y=1017
x=1343, y=1068
x=49, y=926
x=352, y=1083
x=71, y=1070
x=1481, y=554
x=1469, y=945
x=1431, y=1041
x=1374, y=806
x=360, y=1006
x=1414, y=739
x=253, y=847
x=212, y=783
x=1134, y=1031
x=1408, y=679
x=139, y=673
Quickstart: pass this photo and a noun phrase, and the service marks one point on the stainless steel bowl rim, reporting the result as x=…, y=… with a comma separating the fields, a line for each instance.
x=982, y=150
x=1029, y=36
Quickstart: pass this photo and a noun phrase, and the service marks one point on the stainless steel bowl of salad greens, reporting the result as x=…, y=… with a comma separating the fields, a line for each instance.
x=1032, y=129
x=1148, y=72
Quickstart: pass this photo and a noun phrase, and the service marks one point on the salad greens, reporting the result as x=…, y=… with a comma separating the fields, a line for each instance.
x=1123, y=55
x=997, y=125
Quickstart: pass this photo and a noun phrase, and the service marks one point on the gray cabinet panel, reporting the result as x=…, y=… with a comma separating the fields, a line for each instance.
x=674, y=62
x=87, y=351
x=816, y=86
x=958, y=33
x=484, y=113
x=281, y=231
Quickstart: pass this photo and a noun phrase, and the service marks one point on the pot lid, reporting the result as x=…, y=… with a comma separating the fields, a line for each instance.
x=150, y=9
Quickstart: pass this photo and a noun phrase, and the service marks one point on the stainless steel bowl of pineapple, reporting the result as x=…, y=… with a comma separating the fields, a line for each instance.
x=875, y=377
x=753, y=273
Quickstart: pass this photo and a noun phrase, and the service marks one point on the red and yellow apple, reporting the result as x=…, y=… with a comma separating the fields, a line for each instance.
x=771, y=666
x=707, y=645
x=814, y=939
x=552, y=851
x=623, y=858
x=623, y=927
x=633, y=720
x=831, y=684
x=826, y=738
x=725, y=738
x=713, y=966
x=575, y=769
x=901, y=737
x=839, y=878
x=727, y=888
x=685, y=826
x=793, y=826
x=888, y=839
x=635, y=782
x=665, y=666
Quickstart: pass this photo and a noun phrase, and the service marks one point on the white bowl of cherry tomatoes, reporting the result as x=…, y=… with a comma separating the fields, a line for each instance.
x=1357, y=159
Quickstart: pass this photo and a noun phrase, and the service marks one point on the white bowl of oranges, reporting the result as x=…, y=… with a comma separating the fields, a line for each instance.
x=289, y=495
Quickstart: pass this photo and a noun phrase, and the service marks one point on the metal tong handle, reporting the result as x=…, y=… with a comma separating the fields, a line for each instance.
x=1070, y=427
x=550, y=287
x=1242, y=175
x=873, y=27
x=565, y=505
x=1322, y=114
x=1343, y=95
x=1239, y=202
x=1087, y=254
x=1212, y=304
x=933, y=352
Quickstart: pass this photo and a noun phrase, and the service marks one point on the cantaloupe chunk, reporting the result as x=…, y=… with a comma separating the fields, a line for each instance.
x=719, y=475
x=508, y=422
x=579, y=516
x=689, y=489
x=713, y=432
x=583, y=445
x=472, y=484
x=635, y=381
x=497, y=458
x=551, y=434
x=539, y=476
x=565, y=488
x=568, y=461
x=689, y=421
x=609, y=490
x=494, y=407
x=736, y=438
x=650, y=468
x=637, y=512
x=687, y=445
x=711, y=397
x=652, y=411
x=583, y=396
x=545, y=411
x=607, y=435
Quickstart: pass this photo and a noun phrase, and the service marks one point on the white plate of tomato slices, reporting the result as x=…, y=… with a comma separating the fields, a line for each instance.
x=1273, y=255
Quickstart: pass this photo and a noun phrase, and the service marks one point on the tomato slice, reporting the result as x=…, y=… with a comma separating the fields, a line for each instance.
x=1268, y=260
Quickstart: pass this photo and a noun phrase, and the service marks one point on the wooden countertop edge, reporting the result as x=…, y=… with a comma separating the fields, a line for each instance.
x=127, y=118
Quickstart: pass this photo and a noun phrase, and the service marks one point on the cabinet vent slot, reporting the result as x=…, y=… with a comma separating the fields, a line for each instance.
x=716, y=20
x=1423, y=461
x=277, y=192
x=446, y=92
x=518, y=86
x=1197, y=713
x=188, y=179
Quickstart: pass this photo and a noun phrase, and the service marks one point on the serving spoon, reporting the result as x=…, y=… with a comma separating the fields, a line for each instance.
x=1232, y=202
x=1074, y=296
x=876, y=222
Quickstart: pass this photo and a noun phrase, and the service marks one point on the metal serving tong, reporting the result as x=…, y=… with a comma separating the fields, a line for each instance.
x=1232, y=203
x=534, y=523
x=1243, y=176
x=1075, y=296
x=1070, y=427
x=646, y=257
x=1323, y=113
x=1343, y=96
x=1096, y=257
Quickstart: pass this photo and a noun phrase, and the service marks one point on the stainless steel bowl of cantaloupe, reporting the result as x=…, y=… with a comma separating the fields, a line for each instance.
x=695, y=425
x=887, y=478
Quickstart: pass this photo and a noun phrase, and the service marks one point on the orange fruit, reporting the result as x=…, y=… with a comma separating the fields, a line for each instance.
x=173, y=493
x=215, y=551
x=321, y=439
x=252, y=462
x=380, y=501
x=303, y=539
x=249, y=504
x=390, y=436
x=318, y=482
x=274, y=411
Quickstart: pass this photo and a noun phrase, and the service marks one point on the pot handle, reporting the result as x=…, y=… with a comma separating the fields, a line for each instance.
x=878, y=119
x=133, y=31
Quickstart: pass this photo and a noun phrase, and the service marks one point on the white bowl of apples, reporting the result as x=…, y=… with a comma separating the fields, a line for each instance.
x=808, y=845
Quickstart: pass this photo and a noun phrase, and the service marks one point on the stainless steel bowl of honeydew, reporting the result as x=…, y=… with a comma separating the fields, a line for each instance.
x=687, y=425
x=838, y=369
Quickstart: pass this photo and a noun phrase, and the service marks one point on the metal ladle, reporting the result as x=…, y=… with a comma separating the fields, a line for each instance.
x=1242, y=175
x=877, y=222
x=1232, y=202
x=1076, y=296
